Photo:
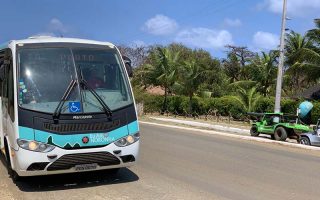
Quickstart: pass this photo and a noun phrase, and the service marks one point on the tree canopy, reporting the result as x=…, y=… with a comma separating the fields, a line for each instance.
x=244, y=74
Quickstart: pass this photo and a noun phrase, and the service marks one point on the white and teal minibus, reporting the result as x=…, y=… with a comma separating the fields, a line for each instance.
x=66, y=106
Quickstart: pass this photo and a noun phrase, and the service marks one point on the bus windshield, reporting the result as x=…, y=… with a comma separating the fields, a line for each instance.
x=45, y=73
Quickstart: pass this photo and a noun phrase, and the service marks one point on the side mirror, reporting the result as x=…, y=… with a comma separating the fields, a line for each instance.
x=128, y=66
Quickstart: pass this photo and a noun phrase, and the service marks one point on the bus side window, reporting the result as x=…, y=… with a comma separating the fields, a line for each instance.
x=4, y=81
x=10, y=83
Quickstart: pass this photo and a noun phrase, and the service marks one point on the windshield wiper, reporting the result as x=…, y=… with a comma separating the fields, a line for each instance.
x=64, y=98
x=105, y=107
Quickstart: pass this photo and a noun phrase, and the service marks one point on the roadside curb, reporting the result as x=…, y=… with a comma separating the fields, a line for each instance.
x=243, y=137
x=214, y=127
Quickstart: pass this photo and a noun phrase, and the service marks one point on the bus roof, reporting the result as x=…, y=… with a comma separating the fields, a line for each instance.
x=49, y=39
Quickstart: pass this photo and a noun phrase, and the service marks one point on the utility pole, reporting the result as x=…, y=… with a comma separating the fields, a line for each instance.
x=281, y=59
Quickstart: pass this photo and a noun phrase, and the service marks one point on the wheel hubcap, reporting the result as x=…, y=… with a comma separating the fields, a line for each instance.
x=303, y=141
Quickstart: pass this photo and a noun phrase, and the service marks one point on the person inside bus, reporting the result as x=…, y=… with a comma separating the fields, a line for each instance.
x=91, y=76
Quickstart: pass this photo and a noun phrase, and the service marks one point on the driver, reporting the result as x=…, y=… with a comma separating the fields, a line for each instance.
x=93, y=80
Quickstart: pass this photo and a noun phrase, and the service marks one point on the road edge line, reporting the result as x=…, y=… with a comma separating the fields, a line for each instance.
x=243, y=137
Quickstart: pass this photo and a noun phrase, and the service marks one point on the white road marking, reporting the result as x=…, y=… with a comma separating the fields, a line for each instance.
x=243, y=137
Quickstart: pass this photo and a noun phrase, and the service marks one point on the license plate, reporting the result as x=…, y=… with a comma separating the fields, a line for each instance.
x=86, y=167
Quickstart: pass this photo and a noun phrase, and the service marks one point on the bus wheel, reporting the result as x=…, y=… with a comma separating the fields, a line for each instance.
x=280, y=134
x=13, y=174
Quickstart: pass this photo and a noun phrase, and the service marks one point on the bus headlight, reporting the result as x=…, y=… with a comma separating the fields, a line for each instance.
x=125, y=141
x=35, y=146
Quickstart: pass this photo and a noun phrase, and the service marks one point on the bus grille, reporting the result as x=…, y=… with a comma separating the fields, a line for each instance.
x=65, y=128
x=71, y=160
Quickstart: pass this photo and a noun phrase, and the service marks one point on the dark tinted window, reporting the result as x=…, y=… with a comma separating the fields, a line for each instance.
x=10, y=85
x=1, y=66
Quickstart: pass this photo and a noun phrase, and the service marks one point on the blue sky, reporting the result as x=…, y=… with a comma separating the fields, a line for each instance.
x=208, y=24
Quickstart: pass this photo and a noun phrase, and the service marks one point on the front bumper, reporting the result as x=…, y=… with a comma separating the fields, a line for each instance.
x=22, y=159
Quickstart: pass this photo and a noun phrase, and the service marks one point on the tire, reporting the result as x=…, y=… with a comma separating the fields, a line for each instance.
x=254, y=131
x=304, y=141
x=280, y=134
x=272, y=137
x=13, y=174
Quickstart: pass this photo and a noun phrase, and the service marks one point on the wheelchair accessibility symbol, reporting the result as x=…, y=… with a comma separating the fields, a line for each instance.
x=74, y=107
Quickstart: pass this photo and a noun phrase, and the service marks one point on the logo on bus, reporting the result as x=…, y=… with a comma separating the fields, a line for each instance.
x=82, y=117
x=85, y=140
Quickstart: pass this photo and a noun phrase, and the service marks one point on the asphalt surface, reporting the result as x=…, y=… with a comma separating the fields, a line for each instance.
x=179, y=164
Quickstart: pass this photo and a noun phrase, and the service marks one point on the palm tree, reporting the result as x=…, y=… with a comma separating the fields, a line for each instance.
x=313, y=57
x=164, y=70
x=297, y=46
x=143, y=76
x=265, y=67
x=303, y=58
x=190, y=80
x=248, y=98
x=314, y=34
x=295, y=43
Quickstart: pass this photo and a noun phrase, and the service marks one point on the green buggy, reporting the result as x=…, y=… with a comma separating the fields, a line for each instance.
x=278, y=125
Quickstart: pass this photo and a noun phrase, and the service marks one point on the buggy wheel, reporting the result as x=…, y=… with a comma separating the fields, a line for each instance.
x=272, y=137
x=280, y=134
x=254, y=131
x=304, y=141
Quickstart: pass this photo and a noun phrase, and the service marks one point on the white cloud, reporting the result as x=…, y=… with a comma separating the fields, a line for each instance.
x=160, y=25
x=55, y=28
x=294, y=7
x=204, y=38
x=55, y=25
x=232, y=22
x=265, y=40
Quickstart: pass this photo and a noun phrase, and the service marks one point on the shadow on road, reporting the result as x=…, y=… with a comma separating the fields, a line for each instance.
x=72, y=181
x=76, y=180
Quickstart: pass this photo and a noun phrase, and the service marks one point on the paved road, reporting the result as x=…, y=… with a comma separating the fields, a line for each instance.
x=178, y=164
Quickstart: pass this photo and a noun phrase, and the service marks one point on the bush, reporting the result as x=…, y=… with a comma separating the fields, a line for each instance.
x=152, y=103
x=181, y=105
x=315, y=113
x=265, y=104
x=178, y=104
x=199, y=105
x=228, y=105
x=289, y=106
x=225, y=105
x=139, y=94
